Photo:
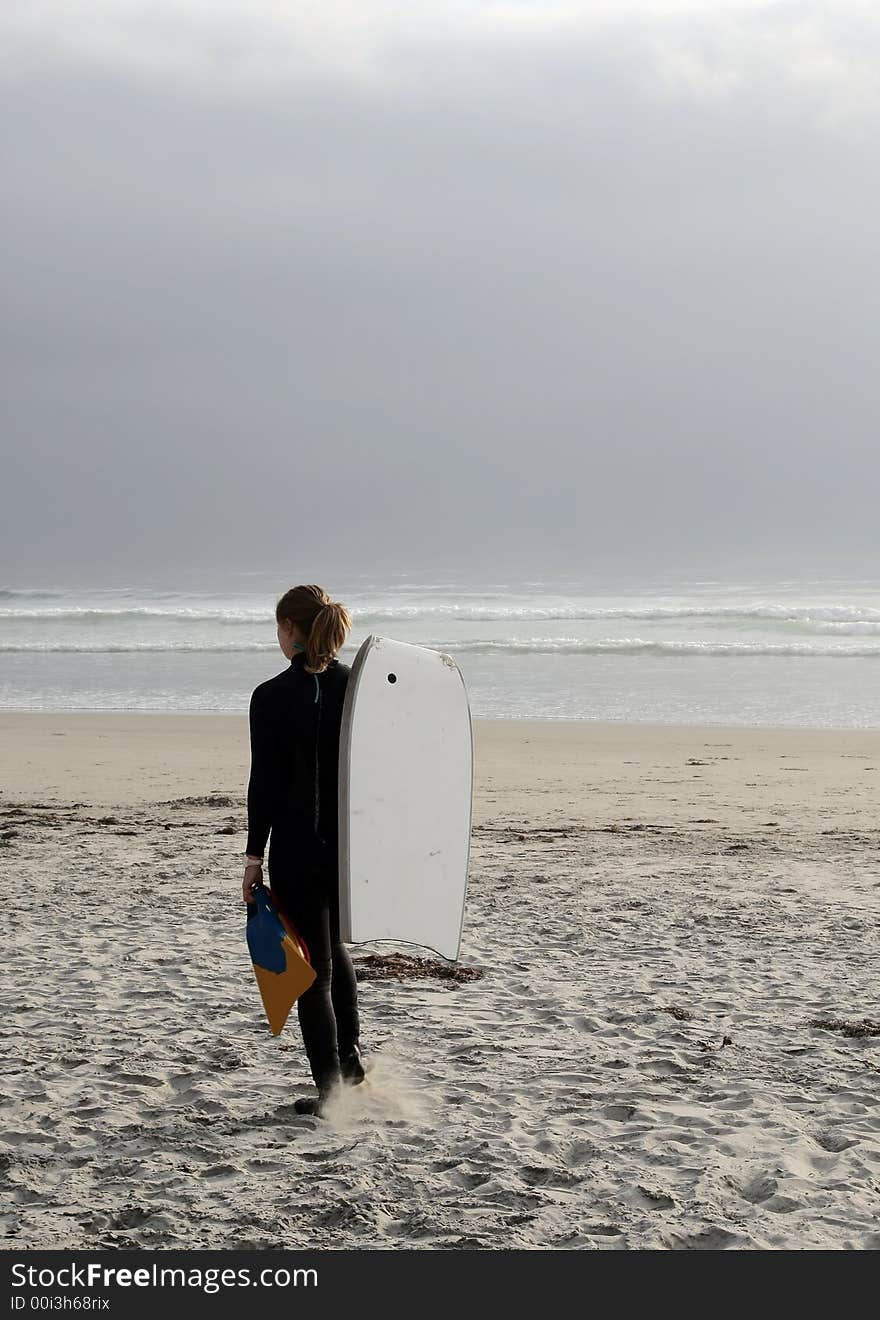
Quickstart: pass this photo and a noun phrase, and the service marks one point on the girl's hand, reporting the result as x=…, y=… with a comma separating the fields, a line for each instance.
x=253, y=879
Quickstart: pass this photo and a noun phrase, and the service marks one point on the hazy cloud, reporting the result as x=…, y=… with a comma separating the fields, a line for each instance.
x=413, y=277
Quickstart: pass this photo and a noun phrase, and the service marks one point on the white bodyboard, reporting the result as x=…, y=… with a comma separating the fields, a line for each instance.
x=405, y=794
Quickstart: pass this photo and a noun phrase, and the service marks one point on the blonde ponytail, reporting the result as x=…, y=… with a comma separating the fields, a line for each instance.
x=324, y=623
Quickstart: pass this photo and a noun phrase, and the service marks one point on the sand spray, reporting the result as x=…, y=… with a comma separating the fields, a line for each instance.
x=390, y=1092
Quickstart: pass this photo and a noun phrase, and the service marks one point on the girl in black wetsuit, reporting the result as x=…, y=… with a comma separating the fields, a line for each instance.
x=295, y=719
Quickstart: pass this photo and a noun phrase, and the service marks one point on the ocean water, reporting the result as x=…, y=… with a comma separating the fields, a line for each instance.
x=774, y=652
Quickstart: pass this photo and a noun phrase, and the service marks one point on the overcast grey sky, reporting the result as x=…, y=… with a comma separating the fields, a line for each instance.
x=560, y=279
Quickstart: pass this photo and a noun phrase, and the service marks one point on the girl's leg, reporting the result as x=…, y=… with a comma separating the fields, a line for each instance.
x=305, y=902
x=343, y=991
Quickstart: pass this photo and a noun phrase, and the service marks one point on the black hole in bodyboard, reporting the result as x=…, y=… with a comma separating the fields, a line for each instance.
x=392, y=678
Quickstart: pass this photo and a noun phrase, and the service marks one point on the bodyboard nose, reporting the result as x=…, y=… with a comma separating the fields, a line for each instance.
x=279, y=958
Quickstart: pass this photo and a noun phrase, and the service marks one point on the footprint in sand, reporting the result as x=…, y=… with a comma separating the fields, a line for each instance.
x=655, y=1199
x=710, y=1239
x=468, y=1179
x=759, y=1188
x=536, y=1176
x=131, y=1216
x=621, y=1113
x=833, y=1141
x=224, y=1171
x=579, y=1152
x=138, y=1079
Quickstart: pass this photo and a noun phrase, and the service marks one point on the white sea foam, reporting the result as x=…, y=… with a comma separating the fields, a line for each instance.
x=180, y=614
x=488, y=646
x=771, y=611
x=818, y=616
x=124, y=648
x=637, y=646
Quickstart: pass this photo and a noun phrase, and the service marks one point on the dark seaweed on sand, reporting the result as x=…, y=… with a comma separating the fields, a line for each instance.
x=847, y=1028
x=378, y=966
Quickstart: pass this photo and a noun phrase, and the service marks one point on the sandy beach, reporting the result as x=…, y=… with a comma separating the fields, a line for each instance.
x=672, y=1042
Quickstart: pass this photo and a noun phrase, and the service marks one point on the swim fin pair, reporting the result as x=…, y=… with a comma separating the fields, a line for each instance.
x=280, y=958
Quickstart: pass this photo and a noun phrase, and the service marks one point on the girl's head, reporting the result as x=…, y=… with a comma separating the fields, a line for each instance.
x=307, y=615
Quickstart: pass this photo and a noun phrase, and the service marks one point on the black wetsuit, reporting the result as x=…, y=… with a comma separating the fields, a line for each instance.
x=295, y=719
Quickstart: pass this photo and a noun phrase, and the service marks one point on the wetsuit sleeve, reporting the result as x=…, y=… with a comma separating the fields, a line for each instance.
x=263, y=776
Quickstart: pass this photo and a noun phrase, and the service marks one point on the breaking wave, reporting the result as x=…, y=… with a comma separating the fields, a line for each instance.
x=489, y=646
x=820, y=618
